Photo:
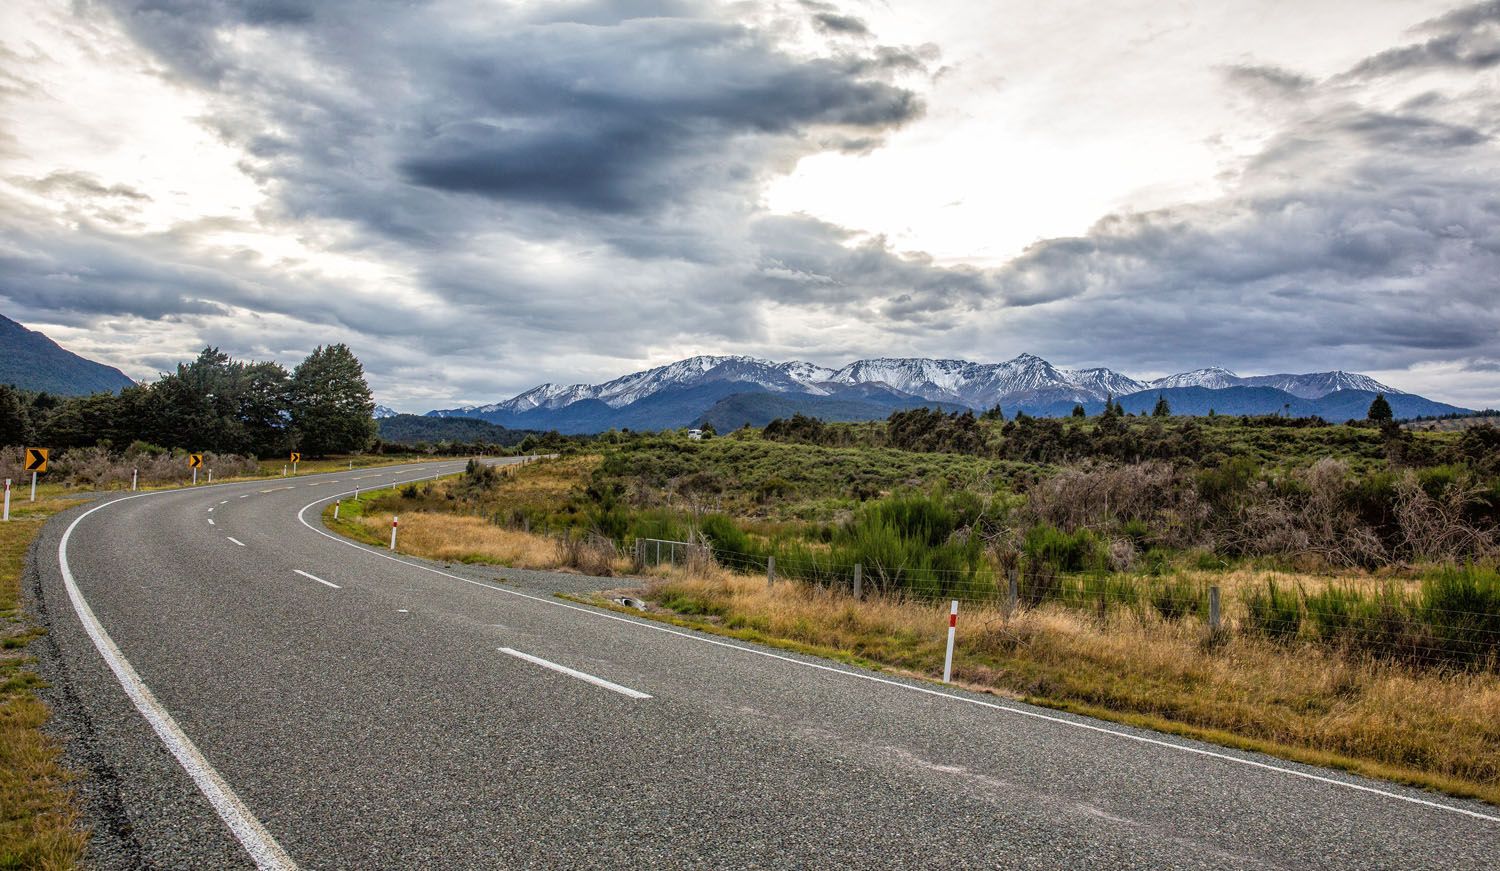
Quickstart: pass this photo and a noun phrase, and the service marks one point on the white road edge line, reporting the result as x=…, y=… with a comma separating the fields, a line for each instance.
x=583, y=676
x=316, y=578
x=252, y=835
x=1037, y=715
x=235, y=540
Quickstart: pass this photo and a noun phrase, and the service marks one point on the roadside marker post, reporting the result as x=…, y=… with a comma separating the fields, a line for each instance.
x=7, y=499
x=36, y=461
x=210, y=476
x=952, y=629
x=336, y=509
x=135, y=474
x=395, y=521
x=283, y=470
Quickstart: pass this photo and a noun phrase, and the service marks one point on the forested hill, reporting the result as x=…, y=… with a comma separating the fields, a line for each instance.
x=31, y=361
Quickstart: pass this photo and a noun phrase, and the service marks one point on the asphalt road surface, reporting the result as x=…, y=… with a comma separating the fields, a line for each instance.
x=244, y=688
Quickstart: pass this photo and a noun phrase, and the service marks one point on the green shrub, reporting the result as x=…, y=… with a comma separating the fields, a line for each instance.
x=1274, y=612
x=1461, y=608
x=1176, y=598
x=1067, y=552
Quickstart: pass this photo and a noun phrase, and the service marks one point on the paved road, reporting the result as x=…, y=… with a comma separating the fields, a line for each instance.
x=320, y=703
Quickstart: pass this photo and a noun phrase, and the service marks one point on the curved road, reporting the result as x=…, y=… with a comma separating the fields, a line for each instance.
x=249, y=689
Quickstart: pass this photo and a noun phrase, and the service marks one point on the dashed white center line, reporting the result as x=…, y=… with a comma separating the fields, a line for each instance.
x=235, y=540
x=244, y=495
x=587, y=678
x=221, y=502
x=211, y=522
x=211, y=510
x=402, y=611
x=316, y=578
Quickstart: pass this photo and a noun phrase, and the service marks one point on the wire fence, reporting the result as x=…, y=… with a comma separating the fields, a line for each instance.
x=1412, y=621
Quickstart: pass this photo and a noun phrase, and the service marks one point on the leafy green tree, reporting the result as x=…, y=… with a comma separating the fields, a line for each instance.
x=1163, y=408
x=15, y=419
x=263, y=403
x=1380, y=410
x=332, y=410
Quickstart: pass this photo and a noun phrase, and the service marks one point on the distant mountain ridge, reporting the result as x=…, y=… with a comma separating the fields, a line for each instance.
x=31, y=361
x=723, y=389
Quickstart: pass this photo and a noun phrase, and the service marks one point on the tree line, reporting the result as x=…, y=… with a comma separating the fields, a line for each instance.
x=214, y=403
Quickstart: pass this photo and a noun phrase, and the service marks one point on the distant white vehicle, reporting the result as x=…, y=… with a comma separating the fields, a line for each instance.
x=695, y=434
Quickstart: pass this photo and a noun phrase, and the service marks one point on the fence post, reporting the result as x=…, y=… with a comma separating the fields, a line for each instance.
x=952, y=630
x=1012, y=594
x=770, y=571
x=859, y=577
x=1213, y=610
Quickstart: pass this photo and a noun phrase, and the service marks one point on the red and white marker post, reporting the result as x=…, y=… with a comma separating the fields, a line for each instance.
x=395, y=521
x=952, y=630
x=7, y=499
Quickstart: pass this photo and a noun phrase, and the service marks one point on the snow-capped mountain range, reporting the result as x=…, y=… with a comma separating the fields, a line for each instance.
x=1026, y=380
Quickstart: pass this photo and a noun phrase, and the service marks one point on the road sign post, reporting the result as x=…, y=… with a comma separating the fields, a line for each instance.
x=952, y=630
x=296, y=458
x=194, y=462
x=33, y=486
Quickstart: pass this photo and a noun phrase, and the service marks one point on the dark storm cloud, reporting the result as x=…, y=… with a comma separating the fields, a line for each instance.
x=1465, y=39
x=829, y=22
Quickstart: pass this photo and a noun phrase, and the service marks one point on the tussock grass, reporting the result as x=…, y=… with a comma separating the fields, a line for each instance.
x=39, y=824
x=1438, y=729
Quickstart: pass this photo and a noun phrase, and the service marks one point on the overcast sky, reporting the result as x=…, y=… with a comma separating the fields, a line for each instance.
x=479, y=196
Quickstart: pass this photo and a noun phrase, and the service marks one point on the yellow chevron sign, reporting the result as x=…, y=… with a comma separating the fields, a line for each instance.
x=36, y=459
x=296, y=457
x=195, y=461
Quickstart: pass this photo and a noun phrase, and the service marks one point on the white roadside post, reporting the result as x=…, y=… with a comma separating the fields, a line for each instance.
x=33, y=486
x=395, y=521
x=952, y=629
x=336, y=509
x=134, y=475
x=283, y=470
x=195, y=476
x=7, y=499
x=210, y=476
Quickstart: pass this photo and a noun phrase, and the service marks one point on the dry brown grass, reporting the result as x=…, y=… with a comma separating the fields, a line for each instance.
x=39, y=826
x=1434, y=729
x=456, y=538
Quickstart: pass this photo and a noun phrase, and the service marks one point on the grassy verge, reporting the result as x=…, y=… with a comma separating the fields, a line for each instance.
x=1427, y=728
x=39, y=824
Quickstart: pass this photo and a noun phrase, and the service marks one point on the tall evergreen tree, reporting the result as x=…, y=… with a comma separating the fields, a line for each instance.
x=332, y=408
x=15, y=421
x=1163, y=408
x=1380, y=410
x=1078, y=411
